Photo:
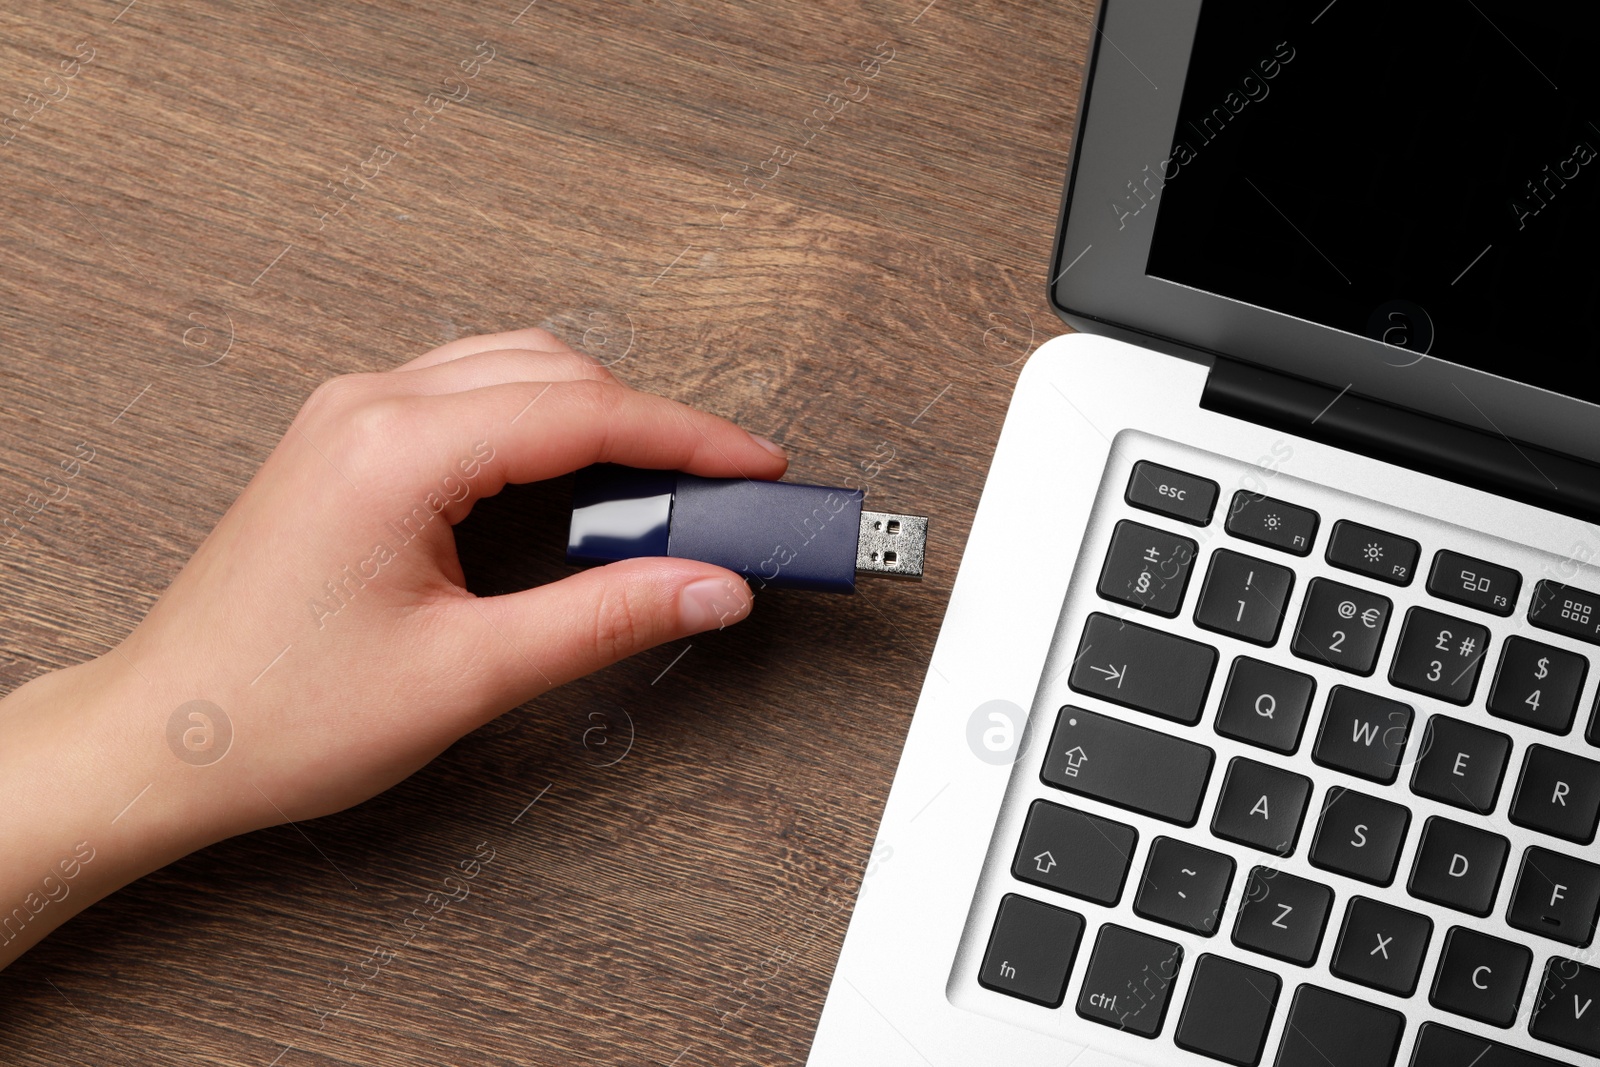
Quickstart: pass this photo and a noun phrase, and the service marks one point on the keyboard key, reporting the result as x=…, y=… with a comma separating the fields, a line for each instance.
x=1461, y=764
x=1385, y=556
x=1564, y=609
x=1359, y=836
x=1332, y=1030
x=1537, y=685
x=1563, y=1012
x=1184, y=886
x=1381, y=946
x=1261, y=806
x=1273, y=523
x=1129, y=980
x=1439, y=655
x=1555, y=896
x=1283, y=915
x=1265, y=705
x=1172, y=493
x=1559, y=793
x=1074, y=852
x=1458, y=866
x=1129, y=766
x=1440, y=1046
x=1143, y=669
x=1243, y=597
x=1228, y=1011
x=1341, y=626
x=1147, y=568
x=1031, y=950
x=1363, y=735
x=1474, y=582
x=1480, y=977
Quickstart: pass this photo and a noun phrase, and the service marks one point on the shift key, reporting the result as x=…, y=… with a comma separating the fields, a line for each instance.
x=1143, y=669
x=1128, y=766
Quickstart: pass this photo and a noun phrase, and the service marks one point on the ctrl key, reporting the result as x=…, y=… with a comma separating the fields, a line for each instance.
x=1129, y=983
x=1031, y=950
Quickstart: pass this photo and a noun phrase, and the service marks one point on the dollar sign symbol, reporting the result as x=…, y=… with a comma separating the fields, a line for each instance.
x=1544, y=668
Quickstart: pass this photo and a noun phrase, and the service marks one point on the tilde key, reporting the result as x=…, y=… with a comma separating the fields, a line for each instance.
x=1144, y=669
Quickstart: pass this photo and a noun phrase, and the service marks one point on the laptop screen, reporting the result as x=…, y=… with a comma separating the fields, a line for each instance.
x=1423, y=174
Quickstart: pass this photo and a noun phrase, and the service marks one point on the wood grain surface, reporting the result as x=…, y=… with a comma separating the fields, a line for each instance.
x=827, y=220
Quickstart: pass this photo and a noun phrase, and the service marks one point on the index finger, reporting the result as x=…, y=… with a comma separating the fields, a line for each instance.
x=530, y=431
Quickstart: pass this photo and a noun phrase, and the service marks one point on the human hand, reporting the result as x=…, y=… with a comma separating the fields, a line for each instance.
x=326, y=615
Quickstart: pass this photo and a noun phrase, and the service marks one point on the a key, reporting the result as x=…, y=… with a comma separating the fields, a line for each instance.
x=1261, y=806
x=1172, y=493
x=1559, y=793
x=1359, y=836
x=1461, y=764
x=1143, y=669
x=1265, y=705
x=1480, y=976
x=1228, y=1011
x=1474, y=582
x=1363, y=734
x=1341, y=626
x=1129, y=980
x=1564, y=1012
x=1126, y=765
x=1274, y=523
x=1381, y=946
x=1537, y=685
x=1073, y=852
x=1555, y=896
x=1283, y=915
x=1031, y=950
x=1184, y=886
x=1385, y=556
x=1439, y=655
x=1440, y=1046
x=1326, y=1029
x=1458, y=866
x=1564, y=609
x=1147, y=568
x=1243, y=597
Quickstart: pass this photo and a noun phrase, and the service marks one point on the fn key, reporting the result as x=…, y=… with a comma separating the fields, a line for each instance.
x=1031, y=950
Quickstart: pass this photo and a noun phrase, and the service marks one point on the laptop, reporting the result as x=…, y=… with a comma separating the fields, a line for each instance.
x=1261, y=727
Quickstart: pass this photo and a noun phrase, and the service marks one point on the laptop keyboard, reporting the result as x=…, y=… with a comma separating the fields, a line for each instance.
x=1322, y=791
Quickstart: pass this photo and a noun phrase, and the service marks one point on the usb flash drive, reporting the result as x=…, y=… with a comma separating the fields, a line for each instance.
x=777, y=534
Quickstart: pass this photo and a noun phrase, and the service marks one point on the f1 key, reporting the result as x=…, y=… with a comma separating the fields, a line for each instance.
x=1143, y=669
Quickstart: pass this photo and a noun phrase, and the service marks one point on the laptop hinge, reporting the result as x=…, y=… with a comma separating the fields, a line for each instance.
x=1486, y=461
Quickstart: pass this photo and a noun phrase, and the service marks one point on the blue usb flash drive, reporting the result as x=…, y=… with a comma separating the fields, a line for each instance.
x=778, y=535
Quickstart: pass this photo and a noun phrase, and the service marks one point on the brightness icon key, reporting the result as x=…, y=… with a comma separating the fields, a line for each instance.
x=1375, y=553
x=1275, y=523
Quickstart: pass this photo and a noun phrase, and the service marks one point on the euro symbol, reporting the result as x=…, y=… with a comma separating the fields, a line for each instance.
x=1369, y=618
x=1266, y=704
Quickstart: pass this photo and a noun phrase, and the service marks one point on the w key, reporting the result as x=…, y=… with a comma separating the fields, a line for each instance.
x=1144, y=669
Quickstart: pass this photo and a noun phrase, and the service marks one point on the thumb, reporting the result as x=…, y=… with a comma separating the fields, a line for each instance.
x=567, y=629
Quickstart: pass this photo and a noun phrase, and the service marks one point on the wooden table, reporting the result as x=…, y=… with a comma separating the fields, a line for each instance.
x=828, y=220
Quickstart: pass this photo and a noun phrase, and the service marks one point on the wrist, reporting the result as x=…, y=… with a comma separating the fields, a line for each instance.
x=92, y=798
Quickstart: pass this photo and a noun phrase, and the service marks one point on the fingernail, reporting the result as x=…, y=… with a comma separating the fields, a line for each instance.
x=712, y=603
x=769, y=446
